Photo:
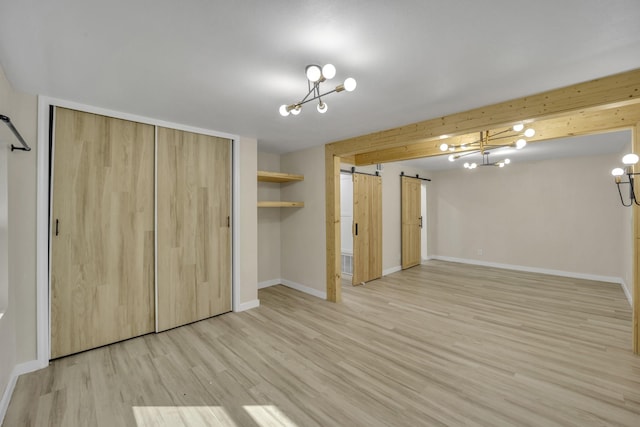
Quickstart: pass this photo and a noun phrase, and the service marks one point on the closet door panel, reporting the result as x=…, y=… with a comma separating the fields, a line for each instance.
x=194, y=236
x=102, y=231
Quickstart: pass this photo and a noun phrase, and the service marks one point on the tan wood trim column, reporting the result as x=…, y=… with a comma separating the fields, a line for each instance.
x=332, y=202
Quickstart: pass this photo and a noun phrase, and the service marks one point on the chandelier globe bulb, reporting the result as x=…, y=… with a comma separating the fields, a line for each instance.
x=630, y=159
x=350, y=84
x=313, y=73
x=329, y=71
x=284, y=112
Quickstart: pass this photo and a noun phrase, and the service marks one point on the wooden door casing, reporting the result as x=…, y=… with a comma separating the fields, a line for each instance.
x=102, y=231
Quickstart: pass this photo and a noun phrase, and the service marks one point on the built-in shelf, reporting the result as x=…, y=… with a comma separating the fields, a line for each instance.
x=268, y=204
x=279, y=177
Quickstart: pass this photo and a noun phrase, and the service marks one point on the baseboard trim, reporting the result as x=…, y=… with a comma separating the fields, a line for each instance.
x=305, y=289
x=267, y=283
x=22, y=368
x=244, y=306
x=391, y=270
x=573, y=275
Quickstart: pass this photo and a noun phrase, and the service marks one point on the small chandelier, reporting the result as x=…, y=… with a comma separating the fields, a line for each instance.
x=315, y=76
x=629, y=161
x=486, y=162
x=487, y=141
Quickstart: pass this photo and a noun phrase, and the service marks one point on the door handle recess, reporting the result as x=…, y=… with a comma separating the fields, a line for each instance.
x=420, y=222
x=57, y=230
x=356, y=228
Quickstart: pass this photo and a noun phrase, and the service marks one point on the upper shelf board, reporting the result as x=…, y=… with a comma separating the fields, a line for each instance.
x=266, y=176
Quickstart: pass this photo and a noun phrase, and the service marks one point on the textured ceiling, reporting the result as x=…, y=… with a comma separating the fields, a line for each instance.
x=228, y=65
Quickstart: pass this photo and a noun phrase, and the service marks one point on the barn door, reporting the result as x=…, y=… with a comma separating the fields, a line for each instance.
x=367, y=228
x=102, y=231
x=411, y=221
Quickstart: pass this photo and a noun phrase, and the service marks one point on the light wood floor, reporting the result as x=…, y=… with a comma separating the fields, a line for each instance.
x=440, y=344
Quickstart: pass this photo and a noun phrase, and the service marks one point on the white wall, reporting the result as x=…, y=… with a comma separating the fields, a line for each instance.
x=18, y=324
x=247, y=256
x=7, y=308
x=269, y=223
x=4, y=228
x=559, y=215
x=303, y=229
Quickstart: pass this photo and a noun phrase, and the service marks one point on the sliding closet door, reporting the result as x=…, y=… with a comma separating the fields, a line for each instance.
x=193, y=222
x=102, y=231
x=411, y=221
x=367, y=228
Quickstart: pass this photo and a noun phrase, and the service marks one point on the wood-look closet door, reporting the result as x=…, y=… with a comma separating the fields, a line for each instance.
x=367, y=228
x=411, y=221
x=193, y=221
x=102, y=231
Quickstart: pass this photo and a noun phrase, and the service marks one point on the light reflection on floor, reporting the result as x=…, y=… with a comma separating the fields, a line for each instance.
x=207, y=416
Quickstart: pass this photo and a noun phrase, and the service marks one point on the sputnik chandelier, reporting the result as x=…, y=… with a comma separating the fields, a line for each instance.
x=629, y=160
x=490, y=142
x=315, y=76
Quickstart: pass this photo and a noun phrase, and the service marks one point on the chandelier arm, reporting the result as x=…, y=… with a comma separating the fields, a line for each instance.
x=311, y=90
x=496, y=147
x=468, y=153
x=476, y=142
x=621, y=198
x=305, y=100
x=500, y=133
x=632, y=191
x=509, y=136
x=318, y=95
x=494, y=136
x=515, y=134
x=484, y=139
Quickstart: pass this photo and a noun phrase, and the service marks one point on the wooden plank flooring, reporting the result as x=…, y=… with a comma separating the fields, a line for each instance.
x=439, y=344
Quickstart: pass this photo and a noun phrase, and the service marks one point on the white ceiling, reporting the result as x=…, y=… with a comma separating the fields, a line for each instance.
x=229, y=65
x=577, y=146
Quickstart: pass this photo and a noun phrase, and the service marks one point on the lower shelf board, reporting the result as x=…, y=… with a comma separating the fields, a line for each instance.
x=268, y=204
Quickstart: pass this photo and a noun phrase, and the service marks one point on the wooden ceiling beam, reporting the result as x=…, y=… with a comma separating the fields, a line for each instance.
x=608, y=92
x=580, y=123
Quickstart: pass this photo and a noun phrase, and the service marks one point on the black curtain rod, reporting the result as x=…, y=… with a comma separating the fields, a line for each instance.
x=25, y=146
x=353, y=170
x=417, y=177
